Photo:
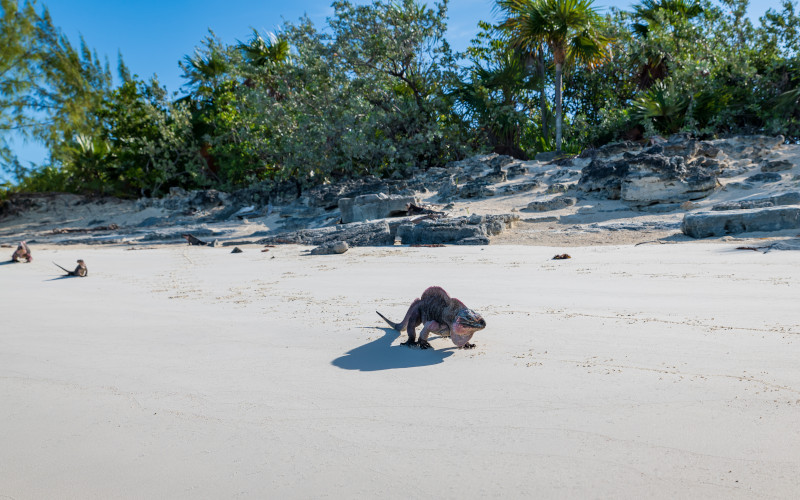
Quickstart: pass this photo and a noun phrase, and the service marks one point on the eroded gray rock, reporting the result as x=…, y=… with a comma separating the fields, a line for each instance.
x=472, y=230
x=373, y=206
x=776, y=165
x=720, y=223
x=792, y=198
x=556, y=203
x=331, y=248
x=652, y=177
x=356, y=234
x=477, y=188
x=765, y=177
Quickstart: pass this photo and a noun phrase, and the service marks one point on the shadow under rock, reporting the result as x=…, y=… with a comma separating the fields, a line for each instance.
x=380, y=354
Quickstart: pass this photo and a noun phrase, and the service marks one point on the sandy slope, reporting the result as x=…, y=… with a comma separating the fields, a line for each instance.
x=656, y=371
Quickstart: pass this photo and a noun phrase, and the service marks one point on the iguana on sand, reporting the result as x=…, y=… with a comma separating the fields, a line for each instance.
x=22, y=252
x=442, y=315
x=81, y=270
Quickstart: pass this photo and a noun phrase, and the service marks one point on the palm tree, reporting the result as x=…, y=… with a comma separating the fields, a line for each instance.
x=264, y=52
x=566, y=27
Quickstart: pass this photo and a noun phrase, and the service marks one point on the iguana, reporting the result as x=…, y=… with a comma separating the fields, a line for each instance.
x=81, y=271
x=22, y=252
x=439, y=314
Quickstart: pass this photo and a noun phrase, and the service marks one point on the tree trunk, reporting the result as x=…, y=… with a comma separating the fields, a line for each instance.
x=558, y=106
x=543, y=96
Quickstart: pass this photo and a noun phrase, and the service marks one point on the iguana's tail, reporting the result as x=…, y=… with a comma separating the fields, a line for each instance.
x=67, y=270
x=396, y=326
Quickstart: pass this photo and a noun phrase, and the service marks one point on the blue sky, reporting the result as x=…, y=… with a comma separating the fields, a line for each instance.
x=153, y=35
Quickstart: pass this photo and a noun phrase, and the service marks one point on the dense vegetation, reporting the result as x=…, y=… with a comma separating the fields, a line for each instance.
x=379, y=91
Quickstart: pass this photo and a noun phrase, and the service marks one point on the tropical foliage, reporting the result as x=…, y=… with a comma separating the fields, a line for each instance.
x=378, y=91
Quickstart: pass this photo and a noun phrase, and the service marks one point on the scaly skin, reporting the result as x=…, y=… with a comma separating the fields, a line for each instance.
x=439, y=314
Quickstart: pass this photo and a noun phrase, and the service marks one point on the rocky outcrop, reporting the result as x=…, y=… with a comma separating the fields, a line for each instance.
x=792, y=198
x=721, y=223
x=473, y=230
x=776, y=165
x=556, y=203
x=478, y=188
x=765, y=177
x=373, y=206
x=332, y=248
x=357, y=234
x=671, y=172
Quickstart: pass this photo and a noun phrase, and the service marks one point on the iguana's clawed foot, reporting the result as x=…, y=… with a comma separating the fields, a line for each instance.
x=422, y=344
x=468, y=346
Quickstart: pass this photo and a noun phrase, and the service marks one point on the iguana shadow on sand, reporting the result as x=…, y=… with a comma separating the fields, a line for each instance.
x=380, y=354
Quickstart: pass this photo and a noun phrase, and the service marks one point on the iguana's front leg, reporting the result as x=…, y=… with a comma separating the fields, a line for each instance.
x=430, y=326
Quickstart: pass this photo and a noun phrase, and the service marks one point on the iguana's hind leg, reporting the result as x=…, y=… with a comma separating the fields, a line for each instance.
x=413, y=321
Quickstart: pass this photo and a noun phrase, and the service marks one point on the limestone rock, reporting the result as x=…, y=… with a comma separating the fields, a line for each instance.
x=516, y=171
x=556, y=203
x=520, y=187
x=476, y=189
x=765, y=177
x=356, y=234
x=448, y=189
x=776, y=165
x=333, y=247
x=651, y=177
x=373, y=206
x=659, y=179
x=557, y=188
x=720, y=223
x=792, y=198
x=495, y=176
x=473, y=230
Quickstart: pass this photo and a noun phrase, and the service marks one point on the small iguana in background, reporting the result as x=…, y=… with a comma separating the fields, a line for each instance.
x=439, y=314
x=22, y=252
x=81, y=271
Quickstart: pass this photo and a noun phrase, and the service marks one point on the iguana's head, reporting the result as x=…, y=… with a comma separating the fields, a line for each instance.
x=467, y=322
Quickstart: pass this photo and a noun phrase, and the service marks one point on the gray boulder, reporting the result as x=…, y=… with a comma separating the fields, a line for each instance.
x=516, y=171
x=792, y=198
x=520, y=187
x=776, y=165
x=477, y=188
x=659, y=179
x=448, y=189
x=373, y=206
x=720, y=223
x=556, y=203
x=495, y=176
x=649, y=178
x=331, y=248
x=765, y=177
x=357, y=234
x=473, y=230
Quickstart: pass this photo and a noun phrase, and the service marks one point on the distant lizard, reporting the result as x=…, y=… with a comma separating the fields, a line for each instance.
x=22, y=252
x=439, y=314
x=81, y=271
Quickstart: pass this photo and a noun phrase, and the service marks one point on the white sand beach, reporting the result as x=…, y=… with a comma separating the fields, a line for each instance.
x=650, y=371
